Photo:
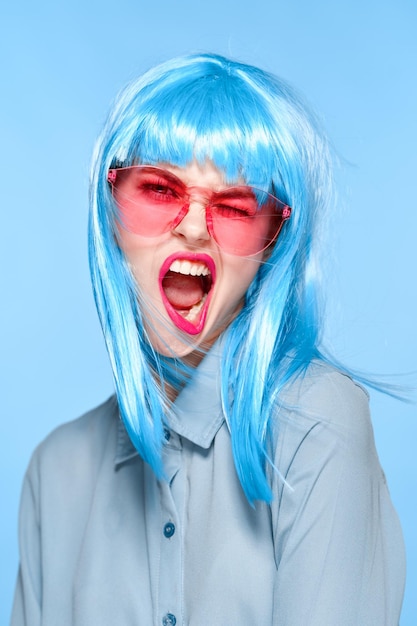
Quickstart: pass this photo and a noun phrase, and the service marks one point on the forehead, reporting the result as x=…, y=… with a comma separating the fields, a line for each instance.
x=200, y=174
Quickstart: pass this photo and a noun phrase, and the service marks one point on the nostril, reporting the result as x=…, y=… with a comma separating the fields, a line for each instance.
x=193, y=225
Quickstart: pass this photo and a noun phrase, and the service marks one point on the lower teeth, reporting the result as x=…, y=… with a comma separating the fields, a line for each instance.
x=195, y=310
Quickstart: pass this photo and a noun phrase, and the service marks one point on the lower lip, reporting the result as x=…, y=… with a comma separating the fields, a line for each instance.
x=180, y=322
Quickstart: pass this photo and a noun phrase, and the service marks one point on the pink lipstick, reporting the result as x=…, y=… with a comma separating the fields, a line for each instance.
x=186, y=283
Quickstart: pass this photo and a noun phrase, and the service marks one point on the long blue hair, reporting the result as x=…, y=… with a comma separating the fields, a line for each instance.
x=251, y=125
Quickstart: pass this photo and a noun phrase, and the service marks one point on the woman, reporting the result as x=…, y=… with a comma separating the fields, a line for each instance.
x=241, y=485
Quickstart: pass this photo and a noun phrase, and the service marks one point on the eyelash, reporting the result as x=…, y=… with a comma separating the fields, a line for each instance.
x=224, y=210
x=161, y=189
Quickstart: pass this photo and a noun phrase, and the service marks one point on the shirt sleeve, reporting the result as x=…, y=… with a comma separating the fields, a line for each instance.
x=27, y=601
x=338, y=543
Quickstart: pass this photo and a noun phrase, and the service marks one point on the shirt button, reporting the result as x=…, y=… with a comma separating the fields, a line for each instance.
x=169, y=530
x=167, y=434
x=169, y=620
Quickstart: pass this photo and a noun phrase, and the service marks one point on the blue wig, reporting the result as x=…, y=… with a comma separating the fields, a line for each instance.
x=254, y=127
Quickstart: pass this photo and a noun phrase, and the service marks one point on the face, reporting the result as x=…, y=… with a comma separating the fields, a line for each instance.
x=192, y=288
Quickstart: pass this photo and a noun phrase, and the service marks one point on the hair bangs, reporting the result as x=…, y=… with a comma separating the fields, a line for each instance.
x=215, y=117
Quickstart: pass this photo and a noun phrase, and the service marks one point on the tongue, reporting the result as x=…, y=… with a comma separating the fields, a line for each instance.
x=183, y=291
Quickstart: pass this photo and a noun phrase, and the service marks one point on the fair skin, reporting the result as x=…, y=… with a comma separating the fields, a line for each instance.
x=163, y=267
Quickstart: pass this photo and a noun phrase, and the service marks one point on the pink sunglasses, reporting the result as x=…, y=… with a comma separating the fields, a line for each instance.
x=243, y=220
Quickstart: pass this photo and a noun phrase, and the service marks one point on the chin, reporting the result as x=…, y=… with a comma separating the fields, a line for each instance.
x=172, y=343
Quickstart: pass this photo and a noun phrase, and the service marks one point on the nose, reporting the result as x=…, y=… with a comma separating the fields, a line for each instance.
x=193, y=226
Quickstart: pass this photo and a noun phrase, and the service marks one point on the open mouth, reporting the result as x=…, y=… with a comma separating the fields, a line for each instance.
x=186, y=282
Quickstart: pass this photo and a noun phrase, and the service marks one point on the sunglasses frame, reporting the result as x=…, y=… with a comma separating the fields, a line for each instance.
x=284, y=215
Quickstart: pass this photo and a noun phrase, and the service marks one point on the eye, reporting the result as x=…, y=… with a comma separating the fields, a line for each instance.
x=237, y=202
x=232, y=211
x=158, y=190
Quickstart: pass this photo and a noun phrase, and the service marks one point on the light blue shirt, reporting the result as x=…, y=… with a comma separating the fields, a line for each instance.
x=104, y=543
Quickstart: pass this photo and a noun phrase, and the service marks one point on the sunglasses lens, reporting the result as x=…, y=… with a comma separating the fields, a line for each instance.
x=245, y=220
x=151, y=201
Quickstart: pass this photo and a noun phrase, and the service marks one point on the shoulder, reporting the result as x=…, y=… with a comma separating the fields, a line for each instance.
x=77, y=443
x=326, y=395
x=323, y=412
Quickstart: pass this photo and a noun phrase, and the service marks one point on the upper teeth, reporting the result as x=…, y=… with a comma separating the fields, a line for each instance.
x=189, y=267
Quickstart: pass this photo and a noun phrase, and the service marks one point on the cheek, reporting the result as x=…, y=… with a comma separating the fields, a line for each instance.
x=138, y=248
x=125, y=241
x=240, y=275
x=129, y=243
x=140, y=256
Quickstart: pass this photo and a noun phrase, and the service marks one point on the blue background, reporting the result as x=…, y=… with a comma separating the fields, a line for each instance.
x=62, y=63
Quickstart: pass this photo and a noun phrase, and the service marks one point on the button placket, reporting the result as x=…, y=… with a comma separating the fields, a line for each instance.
x=170, y=598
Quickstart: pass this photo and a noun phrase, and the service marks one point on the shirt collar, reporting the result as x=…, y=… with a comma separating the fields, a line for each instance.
x=197, y=411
